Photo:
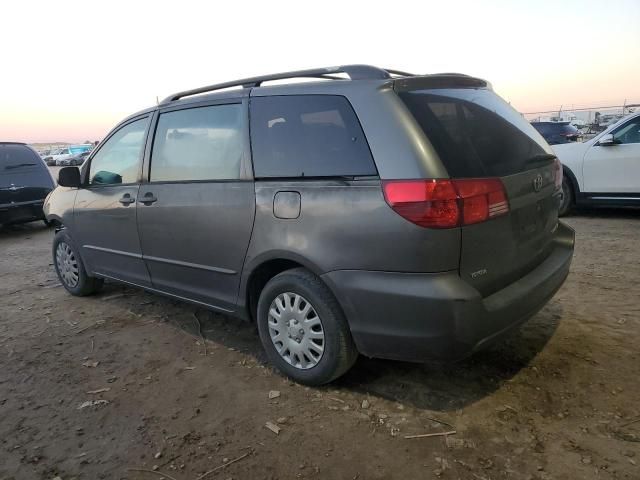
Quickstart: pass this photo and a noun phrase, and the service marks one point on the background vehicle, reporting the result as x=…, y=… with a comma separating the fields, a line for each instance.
x=393, y=215
x=74, y=160
x=50, y=158
x=64, y=153
x=557, y=132
x=25, y=181
x=604, y=170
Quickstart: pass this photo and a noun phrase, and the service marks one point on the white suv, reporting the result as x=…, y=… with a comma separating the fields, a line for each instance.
x=604, y=170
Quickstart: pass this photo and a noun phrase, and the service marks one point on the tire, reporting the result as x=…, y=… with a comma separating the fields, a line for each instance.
x=324, y=318
x=70, y=269
x=566, y=203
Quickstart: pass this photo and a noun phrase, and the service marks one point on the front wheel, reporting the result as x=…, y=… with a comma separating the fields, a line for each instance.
x=566, y=202
x=70, y=269
x=303, y=329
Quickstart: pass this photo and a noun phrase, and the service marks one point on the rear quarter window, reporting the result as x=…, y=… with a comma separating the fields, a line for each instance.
x=308, y=136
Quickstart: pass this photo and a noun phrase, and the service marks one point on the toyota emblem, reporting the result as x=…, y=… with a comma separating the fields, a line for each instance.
x=537, y=183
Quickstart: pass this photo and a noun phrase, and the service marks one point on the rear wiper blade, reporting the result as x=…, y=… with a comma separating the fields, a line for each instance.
x=540, y=157
x=18, y=165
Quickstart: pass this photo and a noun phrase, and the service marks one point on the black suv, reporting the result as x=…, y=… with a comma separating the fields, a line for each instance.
x=400, y=216
x=557, y=132
x=25, y=181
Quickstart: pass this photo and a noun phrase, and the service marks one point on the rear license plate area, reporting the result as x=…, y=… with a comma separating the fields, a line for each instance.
x=530, y=221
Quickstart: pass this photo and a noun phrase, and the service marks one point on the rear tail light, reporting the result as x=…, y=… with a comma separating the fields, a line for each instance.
x=446, y=203
x=558, y=174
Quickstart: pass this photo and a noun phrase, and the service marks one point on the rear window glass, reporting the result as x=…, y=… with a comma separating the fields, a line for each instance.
x=17, y=158
x=555, y=128
x=308, y=136
x=543, y=128
x=476, y=133
x=568, y=128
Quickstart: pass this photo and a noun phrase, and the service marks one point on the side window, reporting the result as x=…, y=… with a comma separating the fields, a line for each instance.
x=629, y=132
x=308, y=136
x=118, y=160
x=204, y=143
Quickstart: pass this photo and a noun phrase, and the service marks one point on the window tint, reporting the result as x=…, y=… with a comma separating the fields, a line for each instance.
x=543, y=128
x=476, y=133
x=307, y=136
x=203, y=143
x=17, y=158
x=629, y=132
x=118, y=160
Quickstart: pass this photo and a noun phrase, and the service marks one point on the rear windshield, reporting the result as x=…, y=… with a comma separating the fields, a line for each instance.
x=476, y=133
x=555, y=128
x=17, y=158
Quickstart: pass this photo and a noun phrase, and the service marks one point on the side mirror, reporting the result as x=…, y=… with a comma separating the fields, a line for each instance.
x=69, y=177
x=607, y=140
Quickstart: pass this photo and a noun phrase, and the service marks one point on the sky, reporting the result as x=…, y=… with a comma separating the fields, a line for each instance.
x=72, y=69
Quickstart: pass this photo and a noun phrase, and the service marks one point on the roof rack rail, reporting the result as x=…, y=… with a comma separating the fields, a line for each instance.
x=355, y=72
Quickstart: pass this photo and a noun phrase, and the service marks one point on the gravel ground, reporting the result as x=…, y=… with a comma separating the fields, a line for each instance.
x=115, y=384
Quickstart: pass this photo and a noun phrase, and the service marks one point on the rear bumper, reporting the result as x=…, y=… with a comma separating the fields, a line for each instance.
x=21, y=212
x=438, y=316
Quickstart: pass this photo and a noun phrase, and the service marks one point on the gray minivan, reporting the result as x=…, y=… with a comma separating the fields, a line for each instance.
x=410, y=217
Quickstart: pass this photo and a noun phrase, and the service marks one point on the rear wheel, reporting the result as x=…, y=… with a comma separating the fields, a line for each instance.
x=566, y=202
x=303, y=329
x=70, y=269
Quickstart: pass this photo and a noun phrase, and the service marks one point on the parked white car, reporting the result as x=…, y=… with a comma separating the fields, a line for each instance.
x=604, y=170
x=61, y=156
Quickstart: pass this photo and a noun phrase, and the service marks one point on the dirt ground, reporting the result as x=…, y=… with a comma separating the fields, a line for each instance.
x=555, y=401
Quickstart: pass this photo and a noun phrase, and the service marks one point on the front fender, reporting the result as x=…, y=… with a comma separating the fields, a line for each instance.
x=573, y=181
x=59, y=204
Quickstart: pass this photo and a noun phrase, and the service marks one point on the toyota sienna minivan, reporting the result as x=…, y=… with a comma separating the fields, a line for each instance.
x=367, y=211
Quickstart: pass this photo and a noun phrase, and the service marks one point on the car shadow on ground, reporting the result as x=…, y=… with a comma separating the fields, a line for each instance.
x=446, y=387
x=623, y=213
x=21, y=229
x=430, y=387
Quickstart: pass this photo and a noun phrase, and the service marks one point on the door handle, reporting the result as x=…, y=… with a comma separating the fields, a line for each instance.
x=127, y=199
x=148, y=199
